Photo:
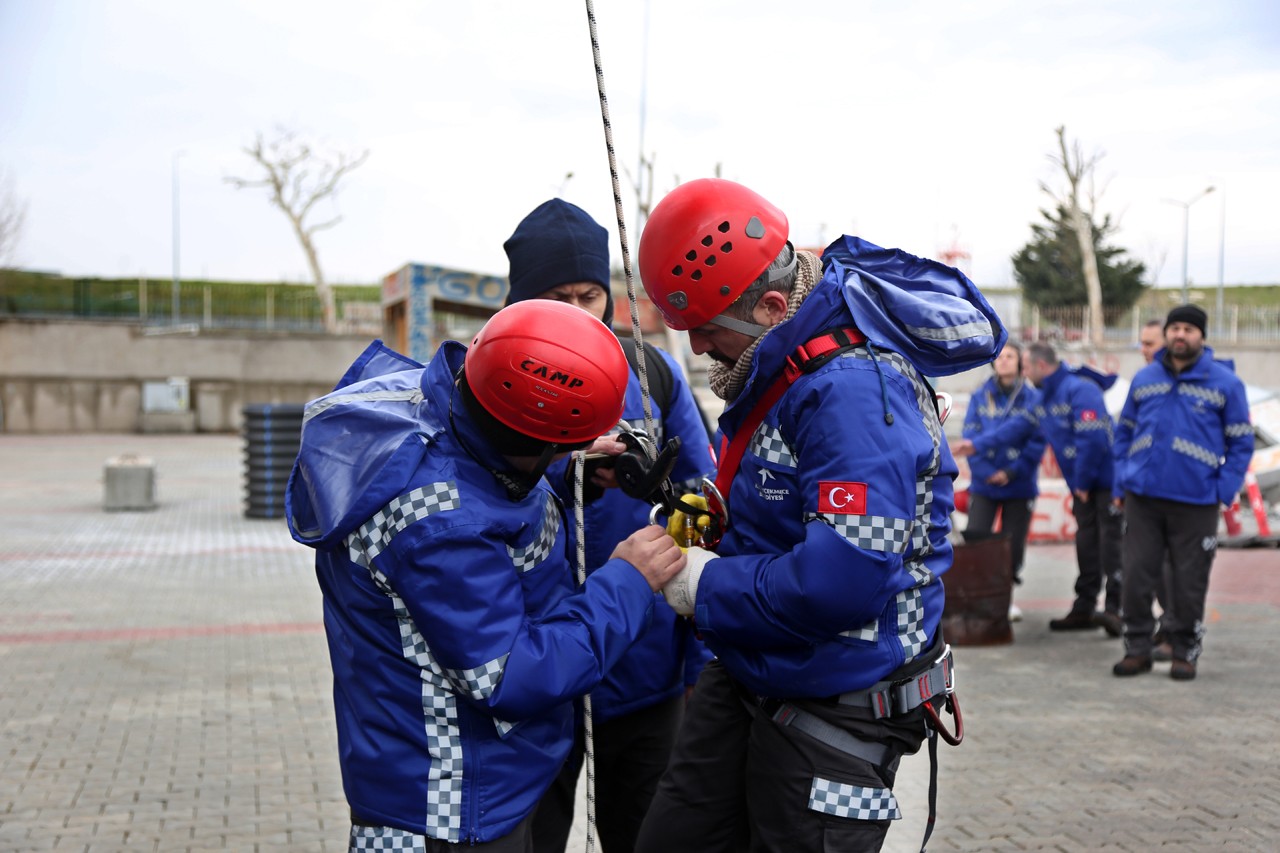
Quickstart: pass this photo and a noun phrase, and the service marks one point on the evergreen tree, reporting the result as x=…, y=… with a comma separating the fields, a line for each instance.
x=1048, y=268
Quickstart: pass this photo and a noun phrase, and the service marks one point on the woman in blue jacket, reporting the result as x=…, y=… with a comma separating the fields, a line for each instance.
x=1004, y=444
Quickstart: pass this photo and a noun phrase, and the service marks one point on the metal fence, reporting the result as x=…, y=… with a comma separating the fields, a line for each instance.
x=205, y=305
x=1237, y=324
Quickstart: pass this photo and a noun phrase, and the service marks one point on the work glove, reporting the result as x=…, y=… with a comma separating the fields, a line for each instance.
x=681, y=592
x=686, y=530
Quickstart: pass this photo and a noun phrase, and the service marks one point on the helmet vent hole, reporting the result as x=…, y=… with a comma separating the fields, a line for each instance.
x=710, y=261
x=696, y=275
x=724, y=290
x=723, y=227
x=677, y=270
x=691, y=255
x=707, y=240
x=726, y=248
x=506, y=385
x=575, y=412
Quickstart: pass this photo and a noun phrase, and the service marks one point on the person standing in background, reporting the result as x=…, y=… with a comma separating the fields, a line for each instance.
x=1182, y=450
x=1074, y=419
x=1002, y=439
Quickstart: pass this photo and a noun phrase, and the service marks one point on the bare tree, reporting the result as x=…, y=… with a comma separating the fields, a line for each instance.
x=13, y=214
x=1079, y=173
x=297, y=177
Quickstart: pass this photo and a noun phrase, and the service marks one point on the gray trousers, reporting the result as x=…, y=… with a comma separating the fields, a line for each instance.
x=1098, y=552
x=1186, y=537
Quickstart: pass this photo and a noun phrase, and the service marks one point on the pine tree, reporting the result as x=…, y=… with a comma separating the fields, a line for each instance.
x=1048, y=267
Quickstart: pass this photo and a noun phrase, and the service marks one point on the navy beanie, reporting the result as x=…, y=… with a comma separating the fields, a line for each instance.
x=1192, y=314
x=558, y=243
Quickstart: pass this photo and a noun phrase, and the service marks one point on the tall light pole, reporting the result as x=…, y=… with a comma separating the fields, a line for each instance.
x=1222, y=259
x=175, y=299
x=1186, y=222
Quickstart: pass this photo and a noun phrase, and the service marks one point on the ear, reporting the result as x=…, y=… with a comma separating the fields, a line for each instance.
x=771, y=309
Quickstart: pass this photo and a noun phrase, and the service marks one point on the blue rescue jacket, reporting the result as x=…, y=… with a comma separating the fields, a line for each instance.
x=1006, y=437
x=1074, y=420
x=457, y=637
x=829, y=576
x=669, y=656
x=1184, y=437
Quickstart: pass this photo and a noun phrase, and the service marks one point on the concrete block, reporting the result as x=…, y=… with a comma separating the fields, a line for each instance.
x=130, y=483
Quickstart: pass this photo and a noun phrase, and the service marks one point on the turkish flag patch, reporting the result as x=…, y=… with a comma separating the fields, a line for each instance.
x=1088, y=415
x=842, y=498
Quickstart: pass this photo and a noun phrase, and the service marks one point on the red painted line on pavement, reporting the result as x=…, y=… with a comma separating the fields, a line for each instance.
x=110, y=634
x=103, y=555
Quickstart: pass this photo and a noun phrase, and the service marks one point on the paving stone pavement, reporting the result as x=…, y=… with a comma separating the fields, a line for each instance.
x=166, y=688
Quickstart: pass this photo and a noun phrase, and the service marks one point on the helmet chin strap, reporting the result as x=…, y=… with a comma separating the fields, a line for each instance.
x=755, y=330
x=751, y=330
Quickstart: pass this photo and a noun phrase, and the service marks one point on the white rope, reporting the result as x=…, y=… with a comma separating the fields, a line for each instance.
x=622, y=229
x=589, y=751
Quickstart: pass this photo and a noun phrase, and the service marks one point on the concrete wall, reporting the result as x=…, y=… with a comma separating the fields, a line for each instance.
x=67, y=376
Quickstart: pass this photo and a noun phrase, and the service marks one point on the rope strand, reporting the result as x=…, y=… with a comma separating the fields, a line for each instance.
x=622, y=226
x=589, y=750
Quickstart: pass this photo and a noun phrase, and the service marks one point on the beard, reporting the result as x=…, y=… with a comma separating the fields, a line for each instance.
x=1185, y=350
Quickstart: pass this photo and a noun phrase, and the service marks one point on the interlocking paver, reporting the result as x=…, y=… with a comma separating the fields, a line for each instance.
x=167, y=688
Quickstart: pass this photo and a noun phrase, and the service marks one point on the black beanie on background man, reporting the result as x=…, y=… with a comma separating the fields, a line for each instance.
x=1192, y=314
x=558, y=243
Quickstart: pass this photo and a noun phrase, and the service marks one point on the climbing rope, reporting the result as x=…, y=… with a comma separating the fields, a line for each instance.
x=647, y=400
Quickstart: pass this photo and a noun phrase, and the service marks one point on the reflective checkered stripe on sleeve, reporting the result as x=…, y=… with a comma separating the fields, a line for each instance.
x=855, y=802
x=372, y=537
x=530, y=556
x=768, y=444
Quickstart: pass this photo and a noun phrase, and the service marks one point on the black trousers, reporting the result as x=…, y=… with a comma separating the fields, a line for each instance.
x=1098, y=552
x=631, y=752
x=1178, y=541
x=738, y=781
x=1015, y=522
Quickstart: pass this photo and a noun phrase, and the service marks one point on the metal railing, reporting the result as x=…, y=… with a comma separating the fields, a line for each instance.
x=202, y=305
x=1239, y=324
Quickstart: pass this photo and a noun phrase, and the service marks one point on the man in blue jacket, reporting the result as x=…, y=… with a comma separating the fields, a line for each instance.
x=1182, y=450
x=559, y=252
x=1073, y=417
x=824, y=598
x=457, y=634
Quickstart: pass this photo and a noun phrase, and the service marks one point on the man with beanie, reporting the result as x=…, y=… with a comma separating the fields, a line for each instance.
x=1182, y=450
x=559, y=252
x=1073, y=417
x=458, y=636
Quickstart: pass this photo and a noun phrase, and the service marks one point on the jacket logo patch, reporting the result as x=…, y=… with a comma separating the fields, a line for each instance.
x=1088, y=415
x=842, y=498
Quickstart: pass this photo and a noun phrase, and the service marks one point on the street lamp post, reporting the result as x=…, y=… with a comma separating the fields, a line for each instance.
x=175, y=296
x=1186, y=222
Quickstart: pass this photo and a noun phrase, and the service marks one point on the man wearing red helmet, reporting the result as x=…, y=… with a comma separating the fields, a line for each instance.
x=457, y=635
x=824, y=600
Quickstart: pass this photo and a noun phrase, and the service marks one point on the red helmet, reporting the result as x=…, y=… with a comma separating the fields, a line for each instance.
x=548, y=370
x=704, y=244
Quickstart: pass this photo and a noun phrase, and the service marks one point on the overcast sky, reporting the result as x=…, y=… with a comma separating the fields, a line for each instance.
x=911, y=124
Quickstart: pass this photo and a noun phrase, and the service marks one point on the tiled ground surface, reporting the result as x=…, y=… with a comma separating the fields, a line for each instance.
x=166, y=687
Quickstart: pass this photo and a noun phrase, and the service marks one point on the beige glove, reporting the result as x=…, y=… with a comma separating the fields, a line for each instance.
x=681, y=592
x=685, y=529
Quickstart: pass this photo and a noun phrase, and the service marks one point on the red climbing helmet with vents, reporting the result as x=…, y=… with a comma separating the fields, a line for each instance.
x=703, y=245
x=548, y=370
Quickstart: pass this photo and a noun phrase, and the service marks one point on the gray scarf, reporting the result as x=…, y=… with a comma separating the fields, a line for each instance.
x=726, y=381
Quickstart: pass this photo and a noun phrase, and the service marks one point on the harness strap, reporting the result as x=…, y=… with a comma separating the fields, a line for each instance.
x=833, y=736
x=808, y=357
x=886, y=698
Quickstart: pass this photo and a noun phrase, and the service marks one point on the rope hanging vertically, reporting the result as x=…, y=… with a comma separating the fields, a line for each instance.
x=588, y=738
x=622, y=226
